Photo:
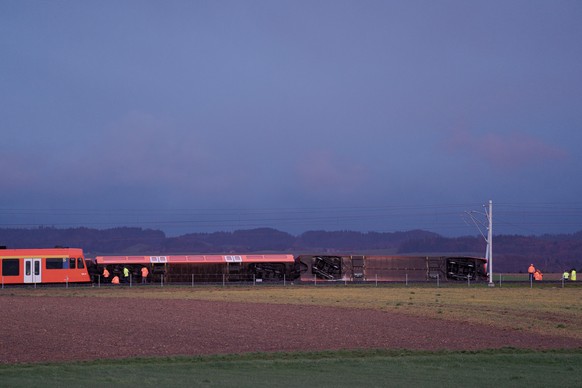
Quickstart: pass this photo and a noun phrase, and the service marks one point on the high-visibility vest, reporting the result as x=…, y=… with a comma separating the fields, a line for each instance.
x=115, y=280
x=125, y=272
x=565, y=275
x=105, y=273
x=573, y=275
x=144, y=272
x=531, y=269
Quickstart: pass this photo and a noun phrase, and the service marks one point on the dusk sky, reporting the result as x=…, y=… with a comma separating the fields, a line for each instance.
x=200, y=116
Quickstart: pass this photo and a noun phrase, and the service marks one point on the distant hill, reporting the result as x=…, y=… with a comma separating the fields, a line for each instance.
x=511, y=253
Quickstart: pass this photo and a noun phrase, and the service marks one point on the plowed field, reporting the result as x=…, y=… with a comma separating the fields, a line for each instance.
x=46, y=329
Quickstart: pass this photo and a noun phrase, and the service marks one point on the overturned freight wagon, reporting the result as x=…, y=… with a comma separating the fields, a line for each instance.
x=391, y=268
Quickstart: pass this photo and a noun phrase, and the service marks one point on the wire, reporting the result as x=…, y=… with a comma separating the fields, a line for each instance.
x=508, y=217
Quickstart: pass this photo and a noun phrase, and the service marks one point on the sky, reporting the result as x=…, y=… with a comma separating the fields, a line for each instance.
x=201, y=116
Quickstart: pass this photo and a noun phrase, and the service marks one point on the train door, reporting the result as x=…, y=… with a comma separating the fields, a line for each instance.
x=32, y=271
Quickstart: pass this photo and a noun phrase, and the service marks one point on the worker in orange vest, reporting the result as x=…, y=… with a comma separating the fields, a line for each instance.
x=105, y=274
x=538, y=275
x=144, y=274
x=115, y=280
x=531, y=270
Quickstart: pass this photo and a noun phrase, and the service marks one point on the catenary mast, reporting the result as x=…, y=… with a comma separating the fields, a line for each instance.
x=489, y=252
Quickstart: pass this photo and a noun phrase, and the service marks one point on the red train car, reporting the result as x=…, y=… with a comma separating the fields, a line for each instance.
x=46, y=265
x=206, y=268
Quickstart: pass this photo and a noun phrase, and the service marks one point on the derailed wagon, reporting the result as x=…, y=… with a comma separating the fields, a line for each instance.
x=391, y=268
x=284, y=267
x=200, y=268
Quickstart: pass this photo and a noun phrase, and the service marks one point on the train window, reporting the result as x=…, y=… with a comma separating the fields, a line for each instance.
x=36, y=267
x=80, y=263
x=56, y=263
x=27, y=267
x=72, y=262
x=11, y=267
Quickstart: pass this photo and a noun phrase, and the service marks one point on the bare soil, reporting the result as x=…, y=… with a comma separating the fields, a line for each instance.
x=47, y=329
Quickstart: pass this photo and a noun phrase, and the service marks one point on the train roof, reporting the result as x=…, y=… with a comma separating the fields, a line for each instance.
x=41, y=252
x=195, y=259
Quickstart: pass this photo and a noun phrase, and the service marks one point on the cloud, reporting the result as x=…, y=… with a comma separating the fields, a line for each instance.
x=322, y=170
x=20, y=170
x=504, y=150
x=141, y=149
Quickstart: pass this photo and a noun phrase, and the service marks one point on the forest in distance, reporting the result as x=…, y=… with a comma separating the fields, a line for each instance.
x=511, y=253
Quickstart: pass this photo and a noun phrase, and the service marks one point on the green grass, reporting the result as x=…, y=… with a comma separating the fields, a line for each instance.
x=506, y=367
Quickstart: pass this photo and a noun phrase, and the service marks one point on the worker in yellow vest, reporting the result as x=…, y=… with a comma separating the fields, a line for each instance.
x=573, y=275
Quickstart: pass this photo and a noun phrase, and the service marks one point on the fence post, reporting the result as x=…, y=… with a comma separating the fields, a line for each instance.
x=130, y=282
x=223, y=280
x=407, y=279
x=254, y=280
x=161, y=280
x=66, y=282
x=376, y=280
x=284, y=279
x=499, y=280
x=438, y=281
x=315, y=280
x=468, y=281
x=192, y=280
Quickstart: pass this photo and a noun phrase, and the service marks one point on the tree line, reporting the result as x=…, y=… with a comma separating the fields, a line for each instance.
x=511, y=253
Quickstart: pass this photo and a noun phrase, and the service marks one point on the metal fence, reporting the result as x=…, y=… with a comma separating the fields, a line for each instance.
x=229, y=280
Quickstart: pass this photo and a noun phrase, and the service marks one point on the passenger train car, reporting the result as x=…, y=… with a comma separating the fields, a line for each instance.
x=392, y=268
x=201, y=268
x=52, y=265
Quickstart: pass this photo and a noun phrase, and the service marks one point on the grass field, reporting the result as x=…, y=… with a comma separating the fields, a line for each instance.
x=328, y=369
x=545, y=310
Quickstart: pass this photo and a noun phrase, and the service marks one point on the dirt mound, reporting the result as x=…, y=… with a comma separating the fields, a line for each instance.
x=60, y=328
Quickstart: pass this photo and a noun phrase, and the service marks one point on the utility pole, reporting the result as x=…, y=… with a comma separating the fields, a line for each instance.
x=488, y=239
x=489, y=253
